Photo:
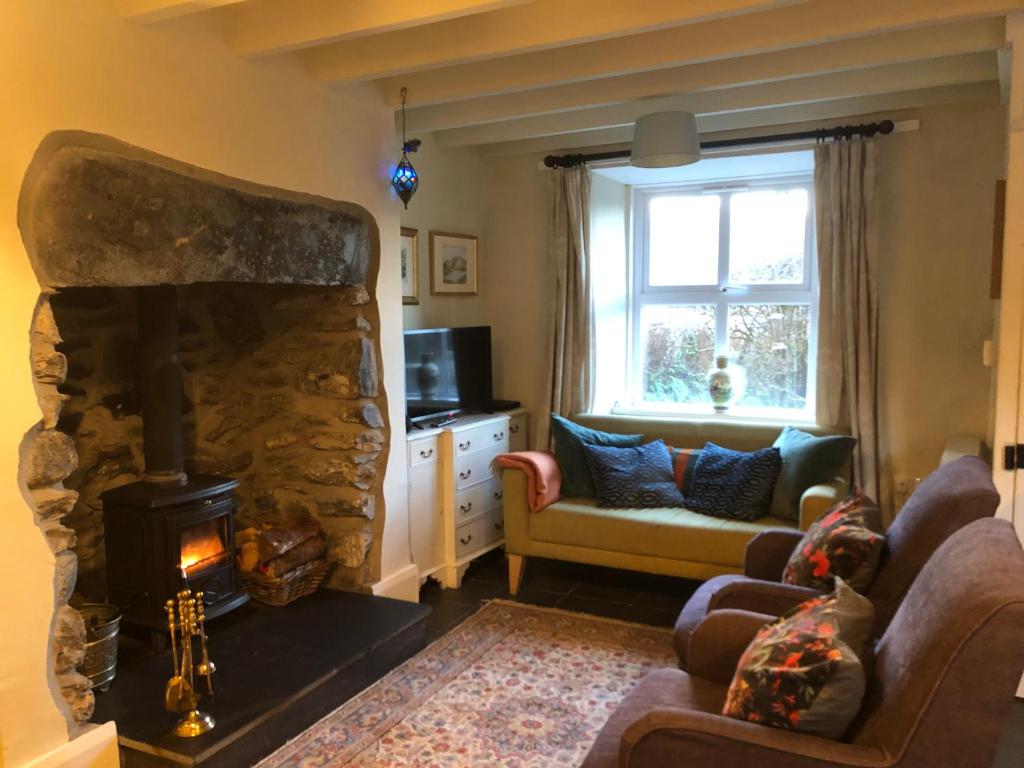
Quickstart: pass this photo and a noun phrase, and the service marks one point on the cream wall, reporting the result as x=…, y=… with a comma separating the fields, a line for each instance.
x=936, y=190
x=500, y=200
x=452, y=197
x=935, y=196
x=71, y=64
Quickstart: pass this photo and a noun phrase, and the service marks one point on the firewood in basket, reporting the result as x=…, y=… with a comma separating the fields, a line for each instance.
x=248, y=556
x=274, y=542
x=307, y=551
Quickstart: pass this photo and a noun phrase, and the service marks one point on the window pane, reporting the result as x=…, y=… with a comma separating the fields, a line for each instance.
x=683, y=247
x=770, y=341
x=767, y=235
x=677, y=344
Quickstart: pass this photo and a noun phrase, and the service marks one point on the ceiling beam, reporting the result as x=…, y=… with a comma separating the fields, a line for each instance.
x=266, y=27
x=953, y=70
x=530, y=27
x=854, y=53
x=818, y=22
x=712, y=126
x=149, y=11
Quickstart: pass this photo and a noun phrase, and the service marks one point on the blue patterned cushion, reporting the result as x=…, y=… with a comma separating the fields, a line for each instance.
x=633, y=477
x=734, y=484
x=570, y=438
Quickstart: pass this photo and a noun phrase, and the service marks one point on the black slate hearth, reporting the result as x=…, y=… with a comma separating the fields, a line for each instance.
x=279, y=671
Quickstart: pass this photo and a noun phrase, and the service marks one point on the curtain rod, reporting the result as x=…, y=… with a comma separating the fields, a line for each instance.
x=867, y=130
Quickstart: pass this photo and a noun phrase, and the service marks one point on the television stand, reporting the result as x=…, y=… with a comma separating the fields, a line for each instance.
x=455, y=493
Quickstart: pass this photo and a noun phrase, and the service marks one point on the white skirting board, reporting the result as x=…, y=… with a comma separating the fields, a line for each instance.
x=95, y=748
x=403, y=584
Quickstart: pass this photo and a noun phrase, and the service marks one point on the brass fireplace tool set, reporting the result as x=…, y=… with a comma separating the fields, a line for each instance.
x=181, y=694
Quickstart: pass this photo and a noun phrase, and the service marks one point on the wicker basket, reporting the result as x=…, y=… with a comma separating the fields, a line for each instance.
x=297, y=583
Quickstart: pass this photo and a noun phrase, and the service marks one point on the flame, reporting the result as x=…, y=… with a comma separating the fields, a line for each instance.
x=200, y=543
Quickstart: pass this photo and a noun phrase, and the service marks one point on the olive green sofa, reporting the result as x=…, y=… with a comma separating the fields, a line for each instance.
x=670, y=541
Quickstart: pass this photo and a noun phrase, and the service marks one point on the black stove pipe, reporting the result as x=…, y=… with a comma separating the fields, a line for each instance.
x=161, y=385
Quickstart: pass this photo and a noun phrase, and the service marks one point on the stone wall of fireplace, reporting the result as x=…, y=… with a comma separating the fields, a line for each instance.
x=281, y=390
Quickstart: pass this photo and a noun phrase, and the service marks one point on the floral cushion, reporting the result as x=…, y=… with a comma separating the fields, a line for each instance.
x=803, y=672
x=838, y=544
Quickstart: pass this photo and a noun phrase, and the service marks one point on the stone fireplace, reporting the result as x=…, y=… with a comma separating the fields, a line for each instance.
x=279, y=347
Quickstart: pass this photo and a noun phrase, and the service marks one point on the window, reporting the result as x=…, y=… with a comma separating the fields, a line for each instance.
x=724, y=269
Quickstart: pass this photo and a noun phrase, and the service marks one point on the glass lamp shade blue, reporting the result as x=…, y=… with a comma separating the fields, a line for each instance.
x=405, y=180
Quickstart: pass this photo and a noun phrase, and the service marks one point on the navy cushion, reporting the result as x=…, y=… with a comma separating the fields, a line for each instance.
x=806, y=460
x=634, y=477
x=733, y=484
x=569, y=441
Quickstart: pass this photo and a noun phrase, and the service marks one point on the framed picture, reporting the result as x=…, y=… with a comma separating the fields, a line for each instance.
x=454, y=264
x=410, y=261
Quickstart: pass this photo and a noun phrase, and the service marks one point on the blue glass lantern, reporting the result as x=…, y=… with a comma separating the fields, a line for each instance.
x=405, y=180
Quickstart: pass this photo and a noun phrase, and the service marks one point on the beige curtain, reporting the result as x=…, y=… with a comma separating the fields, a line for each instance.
x=844, y=187
x=570, y=348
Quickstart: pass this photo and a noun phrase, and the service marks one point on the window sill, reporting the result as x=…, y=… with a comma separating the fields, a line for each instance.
x=706, y=415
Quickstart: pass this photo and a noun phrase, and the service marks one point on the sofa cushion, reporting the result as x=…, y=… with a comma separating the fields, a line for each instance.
x=734, y=484
x=669, y=532
x=633, y=477
x=841, y=545
x=683, y=462
x=569, y=441
x=803, y=672
x=806, y=460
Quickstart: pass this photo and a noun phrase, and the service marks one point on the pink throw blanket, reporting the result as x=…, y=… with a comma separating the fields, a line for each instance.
x=543, y=477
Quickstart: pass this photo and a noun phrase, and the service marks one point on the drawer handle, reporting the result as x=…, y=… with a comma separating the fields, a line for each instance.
x=499, y=526
x=514, y=429
x=466, y=508
x=427, y=453
x=465, y=446
x=499, y=436
x=499, y=495
x=466, y=540
x=465, y=475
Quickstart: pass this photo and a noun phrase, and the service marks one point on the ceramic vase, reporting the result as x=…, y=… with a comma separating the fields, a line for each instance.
x=428, y=377
x=726, y=383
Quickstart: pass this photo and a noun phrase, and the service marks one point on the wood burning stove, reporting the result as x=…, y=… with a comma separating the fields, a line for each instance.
x=168, y=530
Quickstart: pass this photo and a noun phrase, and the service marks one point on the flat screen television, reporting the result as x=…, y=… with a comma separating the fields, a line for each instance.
x=447, y=370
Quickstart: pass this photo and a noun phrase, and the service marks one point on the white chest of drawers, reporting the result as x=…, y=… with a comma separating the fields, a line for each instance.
x=455, y=498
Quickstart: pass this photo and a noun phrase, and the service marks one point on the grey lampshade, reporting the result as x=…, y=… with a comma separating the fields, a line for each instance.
x=665, y=140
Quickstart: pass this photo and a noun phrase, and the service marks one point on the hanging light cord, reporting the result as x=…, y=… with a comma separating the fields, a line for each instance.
x=407, y=146
x=405, y=91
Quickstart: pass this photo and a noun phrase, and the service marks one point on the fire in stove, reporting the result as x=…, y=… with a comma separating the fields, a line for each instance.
x=202, y=546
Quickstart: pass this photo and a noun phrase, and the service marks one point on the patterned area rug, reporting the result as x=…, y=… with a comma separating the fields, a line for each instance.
x=514, y=685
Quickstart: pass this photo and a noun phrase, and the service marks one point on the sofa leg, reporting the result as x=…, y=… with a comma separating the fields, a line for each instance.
x=516, y=566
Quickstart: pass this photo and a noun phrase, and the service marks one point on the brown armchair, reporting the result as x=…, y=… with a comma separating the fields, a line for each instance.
x=942, y=682
x=954, y=495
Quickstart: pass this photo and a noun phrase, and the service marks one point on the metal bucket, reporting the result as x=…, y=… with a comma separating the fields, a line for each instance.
x=102, y=622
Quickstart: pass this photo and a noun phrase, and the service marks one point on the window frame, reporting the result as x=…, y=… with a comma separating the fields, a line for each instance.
x=721, y=295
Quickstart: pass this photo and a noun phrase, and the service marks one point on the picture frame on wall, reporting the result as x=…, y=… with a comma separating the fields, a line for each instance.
x=454, y=264
x=410, y=262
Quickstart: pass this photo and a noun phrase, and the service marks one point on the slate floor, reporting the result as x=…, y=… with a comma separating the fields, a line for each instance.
x=607, y=592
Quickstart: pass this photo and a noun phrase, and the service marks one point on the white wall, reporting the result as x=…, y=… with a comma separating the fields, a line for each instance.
x=452, y=197
x=936, y=197
x=609, y=252
x=174, y=89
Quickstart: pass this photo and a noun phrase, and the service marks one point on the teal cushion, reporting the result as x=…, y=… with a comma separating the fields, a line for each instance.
x=570, y=438
x=806, y=460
